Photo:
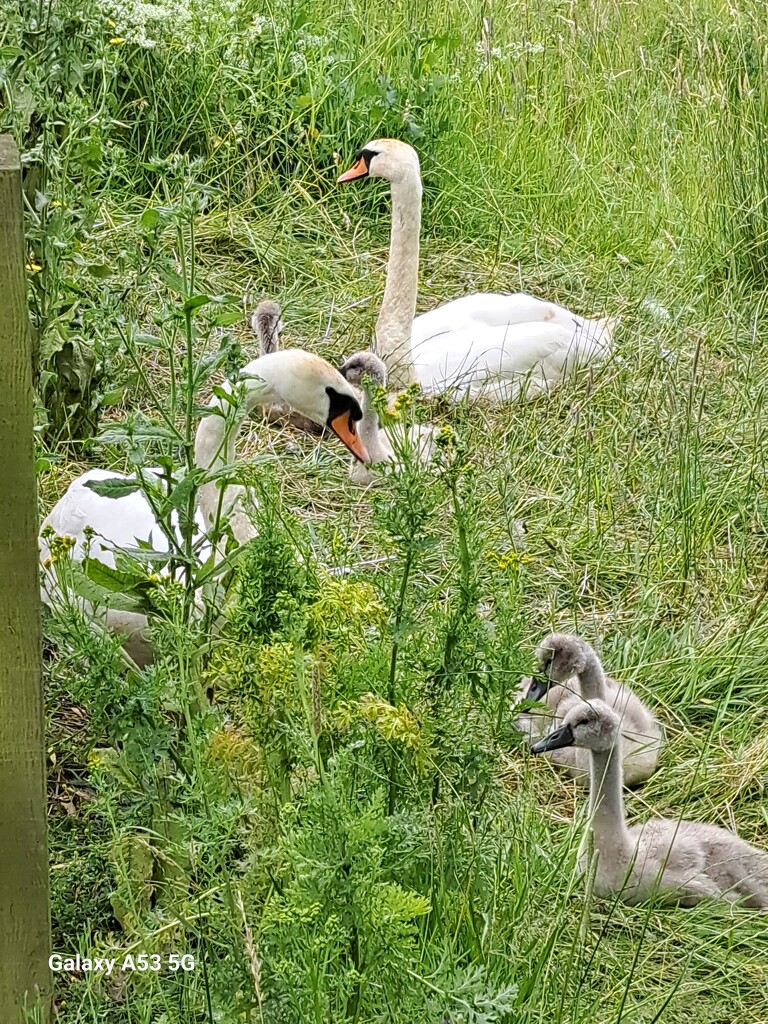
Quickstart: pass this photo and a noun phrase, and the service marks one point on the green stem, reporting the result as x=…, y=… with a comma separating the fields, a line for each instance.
x=391, y=690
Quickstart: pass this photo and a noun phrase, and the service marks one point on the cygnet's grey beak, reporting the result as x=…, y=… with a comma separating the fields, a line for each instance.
x=538, y=688
x=562, y=737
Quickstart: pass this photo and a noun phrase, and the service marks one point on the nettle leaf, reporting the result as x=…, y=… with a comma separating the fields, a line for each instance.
x=173, y=282
x=207, y=366
x=96, y=595
x=150, y=340
x=127, y=559
x=225, y=396
x=114, y=487
x=91, y=591
x=227, y=319
x=115, y=580
x=151, y=219
x=100, y=270
x=122, y=434
x=180, y=494
x=112, y=398
x=196, y=301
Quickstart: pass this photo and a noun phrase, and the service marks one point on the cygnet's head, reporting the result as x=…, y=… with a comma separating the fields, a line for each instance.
x=559, y=656
x=364, y=364
x=592, y=725
x=266, y=326
x=384, y=158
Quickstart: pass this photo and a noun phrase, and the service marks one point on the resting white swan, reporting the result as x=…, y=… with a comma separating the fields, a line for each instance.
x=266, y=325
x=681, y=862
x=485, y=344
x=375, y=439
x=569, y=671
x=296, y=379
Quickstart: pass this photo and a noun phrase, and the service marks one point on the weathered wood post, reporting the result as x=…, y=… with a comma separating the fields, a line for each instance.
x=25, y=980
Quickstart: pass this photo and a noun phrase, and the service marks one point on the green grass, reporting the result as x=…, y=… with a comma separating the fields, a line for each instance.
x=327, y=855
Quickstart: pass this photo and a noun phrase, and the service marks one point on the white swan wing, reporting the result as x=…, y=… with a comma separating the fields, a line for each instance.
x=117, y=522
x=493, y=309
x=494, y=359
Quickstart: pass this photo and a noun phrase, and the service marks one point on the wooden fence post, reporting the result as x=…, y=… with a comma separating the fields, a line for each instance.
x=25, y=980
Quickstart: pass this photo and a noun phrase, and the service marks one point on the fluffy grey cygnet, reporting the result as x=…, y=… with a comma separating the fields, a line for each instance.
x=266, y=326
x=569, y=671
x=682, y=862
x=368, y=364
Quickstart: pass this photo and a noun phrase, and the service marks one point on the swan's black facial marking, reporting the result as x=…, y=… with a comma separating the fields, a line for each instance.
x=343, y=413
x=341, y=403
x=364, y=156
x=562, y=737
x=361, y=167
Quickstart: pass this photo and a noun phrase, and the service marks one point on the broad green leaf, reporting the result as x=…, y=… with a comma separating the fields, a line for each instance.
x=226, y=396
x=173, y=282
x=127, y=559
x=196, y=301
x=227, y=319
x=86, y=588
x=99, y=270
x=114, y=487
x=112, y=398
x=180, y=494
x=150, y=219
x=116, y=580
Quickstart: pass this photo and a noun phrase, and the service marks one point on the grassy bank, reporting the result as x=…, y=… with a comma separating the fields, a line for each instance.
x=352, y=830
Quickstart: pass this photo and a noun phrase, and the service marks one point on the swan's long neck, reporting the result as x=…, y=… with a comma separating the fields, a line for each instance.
x=398, y=308
x=606, y=803
x=215, y=448
x=592, y=678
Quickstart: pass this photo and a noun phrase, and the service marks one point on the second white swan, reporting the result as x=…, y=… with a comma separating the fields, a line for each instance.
x=499, y=346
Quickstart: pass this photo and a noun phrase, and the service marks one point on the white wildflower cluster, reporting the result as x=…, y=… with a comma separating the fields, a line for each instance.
x=511, y=52
x=148, y=25
x=298, y=62
x=179, y=22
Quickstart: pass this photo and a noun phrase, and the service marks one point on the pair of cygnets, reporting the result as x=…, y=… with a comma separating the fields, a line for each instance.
x=605, y=730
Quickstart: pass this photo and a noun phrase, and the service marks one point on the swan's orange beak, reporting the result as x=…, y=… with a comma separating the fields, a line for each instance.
x=358, y=170
x=343, y=427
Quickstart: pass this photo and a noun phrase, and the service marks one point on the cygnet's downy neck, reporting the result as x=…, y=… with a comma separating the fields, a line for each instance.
x=606, y=803
x=370, y=431
x=592, y=676
x=398, y=308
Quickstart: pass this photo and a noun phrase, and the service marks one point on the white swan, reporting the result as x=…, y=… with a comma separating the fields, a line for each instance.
x=569, y=671
x=294, y=378
x=376, y=440
x=266, y=325
x=483, y=344
x=681, y=862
